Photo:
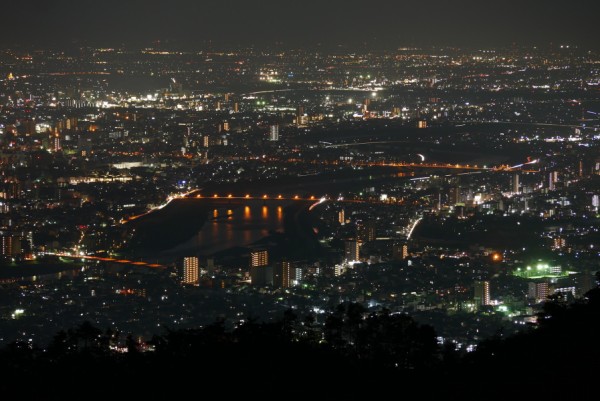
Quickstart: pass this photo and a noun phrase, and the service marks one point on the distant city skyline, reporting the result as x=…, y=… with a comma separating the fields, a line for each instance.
x=375, y=24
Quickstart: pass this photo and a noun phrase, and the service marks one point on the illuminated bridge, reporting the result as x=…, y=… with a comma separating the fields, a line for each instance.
x=230, y=197
x=227, y=198
x=277, y=197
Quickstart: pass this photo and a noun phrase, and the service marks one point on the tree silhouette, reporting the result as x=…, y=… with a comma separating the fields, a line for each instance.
x=131, y=344
x=88, y=336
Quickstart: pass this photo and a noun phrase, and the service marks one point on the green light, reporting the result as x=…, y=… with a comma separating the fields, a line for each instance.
x=541, y=270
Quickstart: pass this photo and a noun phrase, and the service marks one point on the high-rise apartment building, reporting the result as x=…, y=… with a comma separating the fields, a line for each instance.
x=352, y=250
x=538, y=291
x=515, y=183
x=283, y=275
x=259, y=258
x=260, y=273
x=191, y=270
x=274, y=132
x=482, y=292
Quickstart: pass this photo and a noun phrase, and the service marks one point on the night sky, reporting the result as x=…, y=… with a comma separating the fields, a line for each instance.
x=379, y=23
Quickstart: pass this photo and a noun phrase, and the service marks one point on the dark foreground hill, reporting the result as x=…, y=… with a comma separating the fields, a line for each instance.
x=355, y=357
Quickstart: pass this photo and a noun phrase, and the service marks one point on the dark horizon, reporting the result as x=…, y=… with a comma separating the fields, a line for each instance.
x=377, y=24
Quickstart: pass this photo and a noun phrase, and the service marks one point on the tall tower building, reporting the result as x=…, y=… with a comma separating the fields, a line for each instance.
x=400, y=251
x=297, y=275
x=274, y=132
x=9, y=245
x=259, y=258
x=515, y=183
x=404, y=251
x=260, y=273
x=71, y=123
x=352, y=250
x=552, y=180
x=367, y=231
x=187, y=137
x=190, y=270
x=283, y=275
x=482, y=292
x=300, y=115
x=342, y=217
x=538, y=291
x=55, y=144
x=454, y=196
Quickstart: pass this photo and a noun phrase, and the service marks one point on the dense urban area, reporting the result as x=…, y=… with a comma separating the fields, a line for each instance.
x=145, y=190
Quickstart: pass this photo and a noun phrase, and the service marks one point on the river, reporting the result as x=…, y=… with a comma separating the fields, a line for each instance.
x=234, y=226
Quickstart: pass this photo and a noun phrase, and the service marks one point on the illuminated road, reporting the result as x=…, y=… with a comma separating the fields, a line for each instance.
x=345, y=145
x=330, y=89
x=423, y=165
x=447, y=166
x=412, y=228
x=111, y=260
x=532, y=124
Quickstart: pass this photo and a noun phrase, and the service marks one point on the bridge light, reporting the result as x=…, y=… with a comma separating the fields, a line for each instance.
x=247, y=196
x=265, y=196
x=296, y=197
x=216, y=196
x=230, y=196
x=279, y=196
x=312, y=197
